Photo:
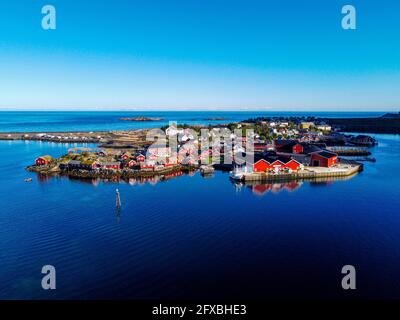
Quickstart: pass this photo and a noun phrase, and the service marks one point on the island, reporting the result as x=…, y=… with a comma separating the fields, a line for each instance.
x=284, y=149
x=216, y=119
x=142, y=119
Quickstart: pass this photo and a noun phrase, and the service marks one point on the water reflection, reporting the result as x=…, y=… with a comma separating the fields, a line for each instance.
x=261, y=188
x=118, y=214
x=152, y=180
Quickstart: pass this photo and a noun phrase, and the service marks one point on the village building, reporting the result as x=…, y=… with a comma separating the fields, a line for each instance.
x=158, y=150
x=323, y=159
x=131, y=163
x=324, y=127
x=109, y=165
x=140, y=157
x=43, y=160
x=306, y=125
x=125, y=156
x=276, y=164
x=296, y=147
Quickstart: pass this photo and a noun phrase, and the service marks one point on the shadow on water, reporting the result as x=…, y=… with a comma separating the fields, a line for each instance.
x=260, y=188
x=153, y=180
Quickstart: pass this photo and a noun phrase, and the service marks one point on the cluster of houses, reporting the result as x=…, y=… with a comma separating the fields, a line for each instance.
x=290, y=129
x=293, y=155
x=59, y=137
x=281, y=155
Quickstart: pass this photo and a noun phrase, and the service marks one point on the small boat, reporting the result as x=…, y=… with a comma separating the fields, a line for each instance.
x=28, y=180
x=238, y=173
x=206, y=169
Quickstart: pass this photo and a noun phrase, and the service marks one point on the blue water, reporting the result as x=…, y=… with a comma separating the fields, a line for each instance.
x=17, y=121
x=195, y=237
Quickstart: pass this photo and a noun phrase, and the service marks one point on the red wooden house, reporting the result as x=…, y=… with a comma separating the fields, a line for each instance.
x=264, y=165
x=261, y=166
x=297, y=148
x=132, y=163
x=323, y=159
x=43, y=160
x=109, y=165
x=147, y=166
x=140, y=158
x=125, y=156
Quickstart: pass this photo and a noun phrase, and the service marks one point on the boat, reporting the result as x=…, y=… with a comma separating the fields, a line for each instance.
x=204, y=170
x=238, y=173
x=28, y=180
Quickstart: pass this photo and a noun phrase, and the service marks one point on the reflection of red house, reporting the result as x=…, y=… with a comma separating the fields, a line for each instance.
x=125, y=156
x=260, y=189
x=323, y=159
x=41, y=161
x=291, y=186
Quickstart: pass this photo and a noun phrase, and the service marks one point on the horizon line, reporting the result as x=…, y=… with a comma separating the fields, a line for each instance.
x=199, y=109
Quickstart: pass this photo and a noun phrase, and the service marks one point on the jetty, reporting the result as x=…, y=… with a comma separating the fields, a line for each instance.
x=344, y=169
x=350, y=151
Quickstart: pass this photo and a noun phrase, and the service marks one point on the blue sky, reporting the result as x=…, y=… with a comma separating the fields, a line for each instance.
x=170, y=54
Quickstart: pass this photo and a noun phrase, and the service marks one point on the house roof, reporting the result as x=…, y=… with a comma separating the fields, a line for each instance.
x=326, y=154
x=273, y=158
x=310, y=148
x=46, y=157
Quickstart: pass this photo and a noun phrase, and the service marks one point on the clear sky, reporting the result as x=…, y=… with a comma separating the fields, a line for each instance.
x=203, y=54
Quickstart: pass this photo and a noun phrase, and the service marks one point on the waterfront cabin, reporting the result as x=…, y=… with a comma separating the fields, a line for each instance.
x=43, y=160
x=140, y=157
x=276, y=164
x=323, y=159
x=132, y=163
x=261, y=166
x=296, y=147
x=147, y=166
x=125, y=156
x=109, y=165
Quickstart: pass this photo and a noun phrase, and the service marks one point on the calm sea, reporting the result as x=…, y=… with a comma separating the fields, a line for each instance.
x=195, y=237
x=20, y=121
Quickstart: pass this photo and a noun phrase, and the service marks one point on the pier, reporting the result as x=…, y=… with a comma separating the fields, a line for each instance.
x=350, y=151
x=309, y=173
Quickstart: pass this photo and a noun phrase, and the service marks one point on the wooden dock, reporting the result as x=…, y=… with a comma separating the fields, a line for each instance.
x=350, y=151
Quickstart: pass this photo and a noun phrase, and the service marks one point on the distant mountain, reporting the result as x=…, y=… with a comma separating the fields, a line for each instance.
x=392, y=115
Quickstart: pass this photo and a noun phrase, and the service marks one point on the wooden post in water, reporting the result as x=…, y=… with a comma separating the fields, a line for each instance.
x=117, y=200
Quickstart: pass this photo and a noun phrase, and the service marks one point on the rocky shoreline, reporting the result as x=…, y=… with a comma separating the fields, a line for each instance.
x=109, y=174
